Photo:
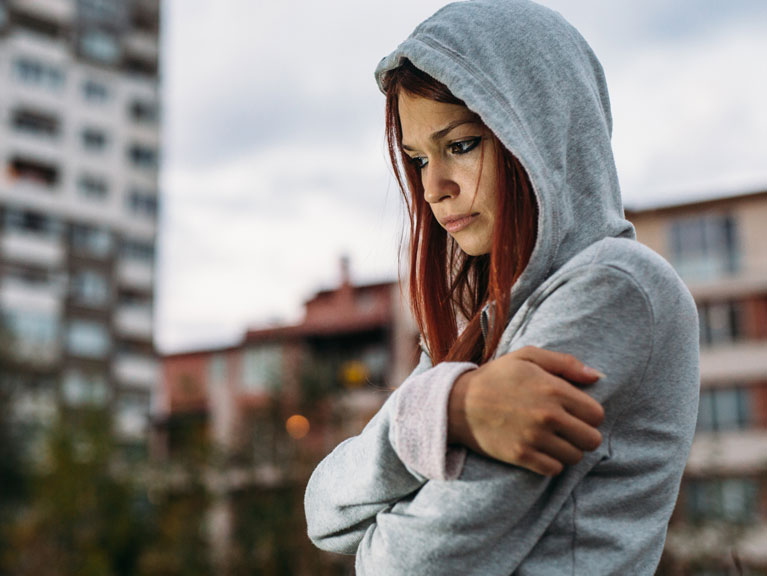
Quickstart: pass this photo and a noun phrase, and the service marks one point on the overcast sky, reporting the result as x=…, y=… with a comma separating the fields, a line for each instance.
x=274, y=162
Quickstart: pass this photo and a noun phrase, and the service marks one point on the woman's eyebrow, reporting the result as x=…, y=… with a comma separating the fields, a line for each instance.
x=442, y=132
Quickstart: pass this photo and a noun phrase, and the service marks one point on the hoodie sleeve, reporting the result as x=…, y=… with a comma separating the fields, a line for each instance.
x=402, y=447
x=489, y=519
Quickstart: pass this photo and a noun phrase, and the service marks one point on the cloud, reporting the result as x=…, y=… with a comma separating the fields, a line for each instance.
x=249, y=240
x=274, y=160
x=690, y=119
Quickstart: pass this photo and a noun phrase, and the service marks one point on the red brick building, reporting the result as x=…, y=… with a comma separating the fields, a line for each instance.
x=270, y=407
x=719, y=247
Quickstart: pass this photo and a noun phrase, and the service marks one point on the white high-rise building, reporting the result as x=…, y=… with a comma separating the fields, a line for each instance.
x=79, y=156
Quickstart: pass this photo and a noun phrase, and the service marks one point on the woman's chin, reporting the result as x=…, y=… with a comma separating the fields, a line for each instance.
x=473, y=247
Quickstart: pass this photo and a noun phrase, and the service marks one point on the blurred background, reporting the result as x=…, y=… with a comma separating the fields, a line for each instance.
x=199, y=237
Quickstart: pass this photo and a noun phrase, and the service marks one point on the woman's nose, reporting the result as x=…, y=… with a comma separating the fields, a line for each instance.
x=437, y=183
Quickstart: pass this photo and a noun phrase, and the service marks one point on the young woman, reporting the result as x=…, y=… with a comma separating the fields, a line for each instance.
x=525, y=279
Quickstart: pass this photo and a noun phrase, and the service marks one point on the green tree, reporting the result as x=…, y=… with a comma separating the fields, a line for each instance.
x=82, y=518
x=179, y=545
x=13, y=475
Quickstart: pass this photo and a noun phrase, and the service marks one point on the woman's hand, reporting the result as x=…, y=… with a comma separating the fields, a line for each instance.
x=522, y=409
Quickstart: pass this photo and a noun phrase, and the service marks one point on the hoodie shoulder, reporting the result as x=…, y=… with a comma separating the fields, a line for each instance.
x=645, y=265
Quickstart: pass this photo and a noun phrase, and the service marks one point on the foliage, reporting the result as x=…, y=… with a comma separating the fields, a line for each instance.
x=81, y=518
x=12, y=471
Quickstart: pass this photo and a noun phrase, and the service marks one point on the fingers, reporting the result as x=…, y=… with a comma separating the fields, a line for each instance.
x=565, y=365
x=556, y=449
x=565, y=447
x=579, y=434
x=581, y=405
x=561, y=450
x=540, y=463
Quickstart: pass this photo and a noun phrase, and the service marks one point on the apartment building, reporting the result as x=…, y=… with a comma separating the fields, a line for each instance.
x=719, y=248
x=271, y=406
x=354, y=344
x=79, y=154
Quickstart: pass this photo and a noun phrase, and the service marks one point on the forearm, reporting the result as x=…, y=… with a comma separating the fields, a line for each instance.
x=361, y=477
x=400, y=449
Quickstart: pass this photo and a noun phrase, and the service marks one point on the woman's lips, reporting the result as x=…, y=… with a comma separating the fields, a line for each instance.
x=458, y=223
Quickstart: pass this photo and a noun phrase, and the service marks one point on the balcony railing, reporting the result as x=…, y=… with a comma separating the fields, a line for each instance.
x=136, y=370
x=59, y=11
x=32, y=248
x=141, y=45
x=134, y=321
x=135, y=273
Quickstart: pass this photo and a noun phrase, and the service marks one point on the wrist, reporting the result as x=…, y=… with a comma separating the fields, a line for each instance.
x=458, y=431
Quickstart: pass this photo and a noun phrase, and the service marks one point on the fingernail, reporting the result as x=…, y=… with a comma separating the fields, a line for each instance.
x=592, y=373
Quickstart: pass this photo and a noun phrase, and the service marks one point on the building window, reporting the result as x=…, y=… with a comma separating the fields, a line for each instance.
x=30, y=278
x=32, y=331
x=135, y=300
x=143, y=157
x=95, y=92
x=38, y=26
x=93, y=188
x=35, y=123
x=33, y=399
x=143, y=112
x=142, y=203
x=94, y=140
x=88, y=338
x=37, y=73
x=81, y=388
x=133, y=413
x=32, y=223
x=33, y=172
x=90, y=288
x=705, y=247
x=138, y=250
x=91, y=240
x=100, y=45
x=141, y=66
x=262, y=368
x=217, y=368
x=733, y=500
x=723, y=409
x=720, y=323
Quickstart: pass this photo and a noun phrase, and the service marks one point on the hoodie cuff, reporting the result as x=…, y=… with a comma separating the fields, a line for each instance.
x=419, y=427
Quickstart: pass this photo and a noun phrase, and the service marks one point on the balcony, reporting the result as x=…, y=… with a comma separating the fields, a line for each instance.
x=32, y=248
x=729, y=453
x=139, y=371
x=135, y=274
x=33, y=175
x=18, y=295
x=59, y=11
x=742, y=361
x=131, y=425
x=37, y=407
x=141, y=46
x=134, y=321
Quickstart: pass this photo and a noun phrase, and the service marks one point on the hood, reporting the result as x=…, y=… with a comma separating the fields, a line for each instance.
x=538, y=86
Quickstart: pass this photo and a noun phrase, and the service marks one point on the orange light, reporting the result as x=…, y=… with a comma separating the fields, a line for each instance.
x=297, y=426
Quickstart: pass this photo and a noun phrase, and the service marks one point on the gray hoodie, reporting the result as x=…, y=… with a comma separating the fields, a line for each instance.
x=397, y=495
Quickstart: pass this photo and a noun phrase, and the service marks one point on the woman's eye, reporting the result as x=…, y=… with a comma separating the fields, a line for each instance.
x=465, y=146
x=419, y=161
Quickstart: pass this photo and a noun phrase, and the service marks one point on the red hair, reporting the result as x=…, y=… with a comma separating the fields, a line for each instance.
x=444, y=280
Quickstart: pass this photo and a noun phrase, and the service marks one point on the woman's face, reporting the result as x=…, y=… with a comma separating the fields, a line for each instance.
x=454, y=153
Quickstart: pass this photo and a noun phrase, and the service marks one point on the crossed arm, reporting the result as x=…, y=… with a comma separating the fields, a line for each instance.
x=369, y=496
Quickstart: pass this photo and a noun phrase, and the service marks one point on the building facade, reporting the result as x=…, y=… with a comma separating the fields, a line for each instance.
x=719, y=248
x=80, y=149
x=270, y=407
x=354, y=345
